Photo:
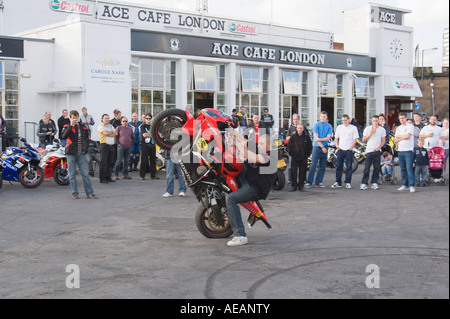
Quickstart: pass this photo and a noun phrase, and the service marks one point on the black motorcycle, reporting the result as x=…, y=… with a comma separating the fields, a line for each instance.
x=332, y=159
x=283, y=160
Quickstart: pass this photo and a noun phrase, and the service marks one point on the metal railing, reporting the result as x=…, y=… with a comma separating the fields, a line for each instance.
x=30, y=131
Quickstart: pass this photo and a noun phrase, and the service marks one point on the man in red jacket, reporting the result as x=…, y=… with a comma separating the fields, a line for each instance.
x=77, y=137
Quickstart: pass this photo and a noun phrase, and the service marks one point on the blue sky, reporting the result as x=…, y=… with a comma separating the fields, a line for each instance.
x=428, y=18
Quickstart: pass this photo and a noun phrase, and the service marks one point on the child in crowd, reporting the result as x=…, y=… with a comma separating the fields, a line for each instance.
x=420, y=163
x=386, y=164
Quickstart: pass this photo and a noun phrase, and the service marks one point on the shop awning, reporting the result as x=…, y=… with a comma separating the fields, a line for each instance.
x=401, y=86
x=61, y=90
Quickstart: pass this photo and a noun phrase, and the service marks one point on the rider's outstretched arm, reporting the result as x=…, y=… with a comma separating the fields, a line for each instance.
x=242, y=147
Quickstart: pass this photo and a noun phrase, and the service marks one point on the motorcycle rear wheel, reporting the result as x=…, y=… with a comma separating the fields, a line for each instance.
x=164, y=124
x=61, y=175
x=280, y=180
x=207, y=224
x=31, y=178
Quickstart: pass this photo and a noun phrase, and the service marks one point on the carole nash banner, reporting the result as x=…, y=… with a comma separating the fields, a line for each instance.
x=218, y=48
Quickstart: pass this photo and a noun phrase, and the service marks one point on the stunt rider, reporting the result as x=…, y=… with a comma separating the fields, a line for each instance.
x=255, y=185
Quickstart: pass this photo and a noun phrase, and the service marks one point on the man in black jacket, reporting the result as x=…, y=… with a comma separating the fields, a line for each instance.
x=291, y=131
x=77, y=136
x=299, y=147
x=148, y=149
x=63, y=120
x=46, y=132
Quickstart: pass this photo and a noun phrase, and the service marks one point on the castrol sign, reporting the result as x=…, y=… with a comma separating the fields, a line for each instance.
x=80, y=7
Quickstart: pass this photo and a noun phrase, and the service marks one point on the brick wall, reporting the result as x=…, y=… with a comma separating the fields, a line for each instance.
x=441, y=94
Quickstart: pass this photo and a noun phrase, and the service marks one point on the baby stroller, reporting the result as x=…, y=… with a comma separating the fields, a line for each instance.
x=390, y=178
x=436, y=165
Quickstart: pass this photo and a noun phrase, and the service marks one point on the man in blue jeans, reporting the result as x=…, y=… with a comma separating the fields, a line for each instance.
x=77, y=136
x=345, y=139
x=171, y=166
x=255, y=183
x=375, y=137
x=322, y=132
x=404, y=137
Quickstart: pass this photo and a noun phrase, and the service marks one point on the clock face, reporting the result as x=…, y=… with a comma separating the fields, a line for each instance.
x=396, y=48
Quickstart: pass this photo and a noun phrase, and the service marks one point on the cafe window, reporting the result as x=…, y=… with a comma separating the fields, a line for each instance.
x=252, y=88
x=293, y=97
x=205, y=77
x=292, y=83
x=9, y=92
x=153, y=85
x=361, y=87
x=327, y=84
x=206, y=86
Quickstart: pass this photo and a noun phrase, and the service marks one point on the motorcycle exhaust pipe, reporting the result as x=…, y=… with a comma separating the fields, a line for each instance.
x=252, y=219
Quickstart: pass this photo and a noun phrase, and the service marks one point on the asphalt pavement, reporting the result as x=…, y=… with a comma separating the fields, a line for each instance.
x=133, y=243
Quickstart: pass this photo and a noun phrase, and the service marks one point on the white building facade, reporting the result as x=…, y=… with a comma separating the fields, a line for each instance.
x=110, y=55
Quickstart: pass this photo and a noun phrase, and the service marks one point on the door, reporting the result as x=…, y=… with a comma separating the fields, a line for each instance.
x=203, y=100
x=361, y=111
x=327, y=104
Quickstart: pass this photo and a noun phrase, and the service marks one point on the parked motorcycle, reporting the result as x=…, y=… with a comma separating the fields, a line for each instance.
x=22, y=165
x=54, y=163
x=209, y=168
x=360, y=150
x=283, y=159
x=160, y=160
x=332, y=159
x=391, y=147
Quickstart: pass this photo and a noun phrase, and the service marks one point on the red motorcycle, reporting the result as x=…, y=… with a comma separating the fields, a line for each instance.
x=54, y=164
x=209, y=165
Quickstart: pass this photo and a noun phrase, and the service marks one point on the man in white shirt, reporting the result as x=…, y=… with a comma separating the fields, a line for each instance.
x=375, y=137
x=107, y=140
x=404, y=137
x=431, y=133
x=345, y=138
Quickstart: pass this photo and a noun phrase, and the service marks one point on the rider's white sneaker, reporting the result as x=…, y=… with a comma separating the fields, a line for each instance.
x=237, y=241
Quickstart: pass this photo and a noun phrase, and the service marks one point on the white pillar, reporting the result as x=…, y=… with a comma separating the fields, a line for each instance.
x=348, y=94
x=181, y=87
x=379, y=95
x=274, y=95
x=230, y=87
x=312, y=93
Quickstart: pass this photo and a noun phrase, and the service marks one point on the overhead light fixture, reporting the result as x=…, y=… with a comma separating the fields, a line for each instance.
x=25, y=75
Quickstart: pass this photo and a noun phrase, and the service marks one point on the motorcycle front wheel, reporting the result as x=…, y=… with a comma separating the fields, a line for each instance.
x=354, y=165
x=31, y=176
x=166, y=127
x=61, y=175
x=209, y=227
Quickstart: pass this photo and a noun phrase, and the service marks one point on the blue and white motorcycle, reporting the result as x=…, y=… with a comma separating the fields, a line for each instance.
x=22, y=165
